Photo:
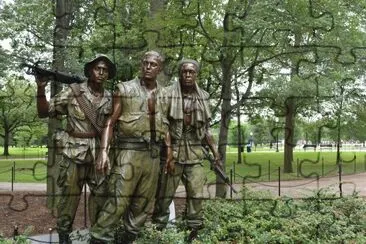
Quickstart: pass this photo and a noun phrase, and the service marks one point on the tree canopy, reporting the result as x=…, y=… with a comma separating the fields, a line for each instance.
x=298, y=61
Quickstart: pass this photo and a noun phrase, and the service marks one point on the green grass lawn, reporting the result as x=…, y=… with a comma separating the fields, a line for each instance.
x=20, y=152
x=30, y=165
x=25, y=170
x=265, y=166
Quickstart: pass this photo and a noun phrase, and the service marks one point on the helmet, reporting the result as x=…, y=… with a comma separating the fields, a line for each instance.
x=98, y=57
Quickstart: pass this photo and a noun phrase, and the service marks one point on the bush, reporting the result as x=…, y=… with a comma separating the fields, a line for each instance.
x=21, y=239
x=261, y=218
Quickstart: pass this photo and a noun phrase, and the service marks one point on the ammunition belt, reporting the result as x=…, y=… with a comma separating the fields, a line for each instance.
x=83, y=134
x=138, y=144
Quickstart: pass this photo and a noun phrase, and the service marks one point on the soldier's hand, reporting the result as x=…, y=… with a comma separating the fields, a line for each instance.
x=169, y=167
x=218, y=162
x=169, y=164
x=102, y=164
x=42, y=81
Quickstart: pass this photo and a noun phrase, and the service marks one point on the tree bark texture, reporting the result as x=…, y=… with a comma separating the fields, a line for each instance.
x=63, y=11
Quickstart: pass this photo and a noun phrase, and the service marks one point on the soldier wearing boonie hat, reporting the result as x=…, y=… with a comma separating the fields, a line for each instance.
x=98, y=57
x=79, y=142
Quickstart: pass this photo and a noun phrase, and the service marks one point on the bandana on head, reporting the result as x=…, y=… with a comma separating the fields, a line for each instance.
x=188, y=61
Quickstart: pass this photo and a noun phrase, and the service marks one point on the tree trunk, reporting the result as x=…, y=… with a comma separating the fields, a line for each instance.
x=156, y=6
x=289, y=135
x=319, y=137
x=61, y=31
x=238, y=115
x=6, y=143
x=290, y=105
x=225, y=121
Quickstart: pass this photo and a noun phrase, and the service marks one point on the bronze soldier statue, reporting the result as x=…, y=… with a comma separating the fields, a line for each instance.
x=86, y=106
x=189, y=116
x=141, y=130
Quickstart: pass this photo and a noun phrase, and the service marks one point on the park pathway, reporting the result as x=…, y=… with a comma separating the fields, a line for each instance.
x=293, y=188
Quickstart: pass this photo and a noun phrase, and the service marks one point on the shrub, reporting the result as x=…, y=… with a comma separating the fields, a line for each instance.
x=260, y=218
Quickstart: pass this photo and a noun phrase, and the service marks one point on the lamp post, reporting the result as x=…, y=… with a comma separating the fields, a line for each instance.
x=251, y=140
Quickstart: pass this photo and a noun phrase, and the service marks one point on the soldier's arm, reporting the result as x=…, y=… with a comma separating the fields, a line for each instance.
x=102, y=163
x=169, y=164
x=210, y=141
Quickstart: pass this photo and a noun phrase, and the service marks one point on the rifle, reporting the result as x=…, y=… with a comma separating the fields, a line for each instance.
x=218, y=170
x=55, y=75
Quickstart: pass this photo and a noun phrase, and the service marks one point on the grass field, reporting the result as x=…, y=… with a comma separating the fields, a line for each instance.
x=264, y=166
x=28, y=152
x=30, y=170
x=30, y=165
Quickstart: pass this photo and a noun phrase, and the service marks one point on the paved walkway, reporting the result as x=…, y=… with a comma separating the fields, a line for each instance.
x=53, y=238
x=306, y=187
x=293, y=188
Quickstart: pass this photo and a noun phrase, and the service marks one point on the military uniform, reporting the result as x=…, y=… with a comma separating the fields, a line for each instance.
x=79, y=146
x=187, y=153
x=135, y=170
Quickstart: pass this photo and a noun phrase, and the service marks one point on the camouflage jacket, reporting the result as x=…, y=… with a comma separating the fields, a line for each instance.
x=65, y=103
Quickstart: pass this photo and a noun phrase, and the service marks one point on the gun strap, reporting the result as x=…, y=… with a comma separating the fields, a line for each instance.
x=86, y=108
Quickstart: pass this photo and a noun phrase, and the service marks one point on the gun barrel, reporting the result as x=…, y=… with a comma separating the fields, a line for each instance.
x=225, y=178
x=219, y=171
x=53, y=74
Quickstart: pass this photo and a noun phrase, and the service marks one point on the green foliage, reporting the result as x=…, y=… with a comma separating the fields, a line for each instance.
x=250, y=41
x=233, y=134
x=166, y=236
x=20, y=239
x=18, y=112
x=260, y=218
x=28, y=26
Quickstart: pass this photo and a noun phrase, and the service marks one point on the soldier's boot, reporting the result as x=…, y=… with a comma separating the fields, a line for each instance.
x=128, y=237
x=64, y=238
x=192, y=235
x=96, y=241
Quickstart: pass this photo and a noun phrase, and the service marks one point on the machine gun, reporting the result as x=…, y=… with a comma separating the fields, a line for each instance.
x=54, y=75
x=218, y=170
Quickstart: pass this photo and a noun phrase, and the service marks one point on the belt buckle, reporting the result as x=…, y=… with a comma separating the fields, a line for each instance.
x=154, y=150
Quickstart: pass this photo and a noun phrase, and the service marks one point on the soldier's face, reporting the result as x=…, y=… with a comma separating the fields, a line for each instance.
x=150, y=67
x=188, y=75
x=99, y=72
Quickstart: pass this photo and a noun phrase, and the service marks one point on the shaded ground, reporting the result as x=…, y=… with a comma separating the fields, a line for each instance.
x=28, y=211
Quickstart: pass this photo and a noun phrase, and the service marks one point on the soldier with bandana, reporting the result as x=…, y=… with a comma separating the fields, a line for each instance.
x=189, y=116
